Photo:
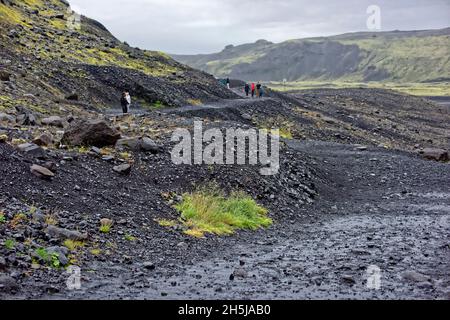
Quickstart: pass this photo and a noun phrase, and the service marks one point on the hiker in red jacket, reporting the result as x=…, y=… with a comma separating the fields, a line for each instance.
x=253, y=89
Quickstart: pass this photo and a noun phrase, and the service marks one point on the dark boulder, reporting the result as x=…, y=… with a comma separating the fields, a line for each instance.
x=72, y=97
x=139, y=144
x=435, y=154
x=41, y=172
x=95, y=133
x=5, y=76
x=64, y=234
x=8, y=284
x=124, y=169
x=44, y=140
x=31, y=149
x=27, y=119
x=54, y=121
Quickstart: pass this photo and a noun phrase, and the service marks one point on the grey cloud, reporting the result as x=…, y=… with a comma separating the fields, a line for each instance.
x=202, y=26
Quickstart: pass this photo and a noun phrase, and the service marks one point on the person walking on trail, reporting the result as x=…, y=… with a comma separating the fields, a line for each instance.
x=228, y=83
x=261, y=92
x=258, y=90
x=124, y=103
x=128, y=101
x=253, y=89
x=247, y=89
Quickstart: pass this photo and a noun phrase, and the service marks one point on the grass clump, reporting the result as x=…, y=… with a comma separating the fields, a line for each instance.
x=96, y=252
x=167, y=223
x=73, y=245
x=208, y=210
x=51, y=259
x=2, y=217
x=105, y=226
x=10, y=244
x=130, y=238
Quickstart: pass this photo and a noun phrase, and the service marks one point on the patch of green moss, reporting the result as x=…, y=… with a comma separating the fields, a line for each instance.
x=10, y=15
x=8, y=103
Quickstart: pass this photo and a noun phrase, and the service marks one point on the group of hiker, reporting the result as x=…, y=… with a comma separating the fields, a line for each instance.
x=254, y=89
x=249, y=89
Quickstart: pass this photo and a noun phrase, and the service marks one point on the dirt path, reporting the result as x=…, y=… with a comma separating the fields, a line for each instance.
x=382, y=208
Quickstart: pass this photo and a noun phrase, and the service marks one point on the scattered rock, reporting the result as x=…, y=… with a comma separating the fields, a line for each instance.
x=72, y=97
x=50, y=166
x=54, y=121
x=435, y=154
x=348, y=279
x=148, y=144
x=240, y=273
x=7, y=118
x=139, y=144
x=2, y=264
x=91, y=133
x=8, y=284
x=123, y=169
x=129, y=143
x=108, y=158
x=247, y=117
x=149, y=265
x=31, y=149
x=41, y=172
x=65, y=234
x=26, y=119
x=59, y=16
x=415, y=276
x=96, y=150
x=44, y=140
x=5, y=76
x=3, y=138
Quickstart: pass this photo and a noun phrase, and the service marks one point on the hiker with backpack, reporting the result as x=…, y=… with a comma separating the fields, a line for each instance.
x=258, y=90
x=253, y=89
x=125, y=101
x=228, y=83
x=247, y=89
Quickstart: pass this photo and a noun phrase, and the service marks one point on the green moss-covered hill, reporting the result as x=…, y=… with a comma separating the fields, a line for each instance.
x=414, y=56
x=46, y=62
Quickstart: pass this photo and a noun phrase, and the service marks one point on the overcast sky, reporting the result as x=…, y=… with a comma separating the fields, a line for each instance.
x=205, y=26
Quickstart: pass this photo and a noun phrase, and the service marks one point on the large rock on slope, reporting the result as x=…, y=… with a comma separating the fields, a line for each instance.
x=139, y=144
x=91, y=133
x=435, y=154
x=54, y=121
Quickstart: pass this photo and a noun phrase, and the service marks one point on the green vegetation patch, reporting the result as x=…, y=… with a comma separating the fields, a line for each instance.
x=417, y=89
x=208, y=210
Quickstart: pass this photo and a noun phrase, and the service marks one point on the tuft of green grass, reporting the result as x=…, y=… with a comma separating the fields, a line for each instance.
x=73, y=245
x=105, y=227
x=96, y=252
x=208, y=210
x=129, y=237
x=10, y=244
x=167, y=223
x=54, y=261
x=42, y=254
x=2, y=217
x=50, y=259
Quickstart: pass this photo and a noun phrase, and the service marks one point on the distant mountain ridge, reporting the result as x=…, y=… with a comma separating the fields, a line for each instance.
x=401, y=56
